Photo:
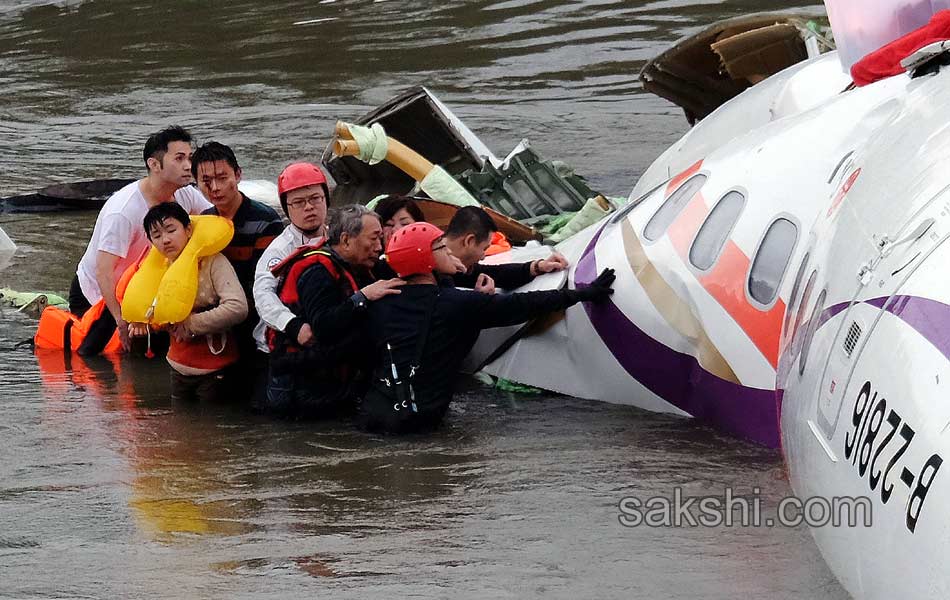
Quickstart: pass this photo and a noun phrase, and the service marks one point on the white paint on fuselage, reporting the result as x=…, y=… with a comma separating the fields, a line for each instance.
x=893, y=228
x=783, y=165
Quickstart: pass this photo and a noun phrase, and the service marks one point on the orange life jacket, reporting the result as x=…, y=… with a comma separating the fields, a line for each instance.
x=61, y=330
x=499, y=244
x=200, y=352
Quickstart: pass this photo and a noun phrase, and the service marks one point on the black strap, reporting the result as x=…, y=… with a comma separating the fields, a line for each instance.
x=68, y=336
x=424, y=332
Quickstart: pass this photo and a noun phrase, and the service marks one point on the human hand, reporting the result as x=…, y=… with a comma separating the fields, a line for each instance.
x=181, y=332
x=555, y=262
x=384, y=287
x=138, y=329
x=123, y=330
x=305, y=336
x=485, y=284
x=600, y=289
x=459, y=266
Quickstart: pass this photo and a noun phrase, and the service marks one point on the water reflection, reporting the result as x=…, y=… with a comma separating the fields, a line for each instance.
x=201, y=469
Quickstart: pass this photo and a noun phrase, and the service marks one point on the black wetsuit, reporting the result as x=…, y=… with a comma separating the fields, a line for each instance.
x=457, y=318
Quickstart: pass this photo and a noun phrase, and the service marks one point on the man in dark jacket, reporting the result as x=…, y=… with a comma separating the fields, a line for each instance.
x=218, y=174
x=329, y=287
x=468, y=236
x=422, y=335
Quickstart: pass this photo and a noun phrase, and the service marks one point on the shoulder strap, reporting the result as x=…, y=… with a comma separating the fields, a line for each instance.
x=424, y=333
x=298, y=253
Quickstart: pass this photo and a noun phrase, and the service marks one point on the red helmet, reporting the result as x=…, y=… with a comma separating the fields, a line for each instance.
x=299, y=175
x=410, y=249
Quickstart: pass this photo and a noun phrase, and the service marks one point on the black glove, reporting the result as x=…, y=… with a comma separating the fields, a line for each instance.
x=599, y=289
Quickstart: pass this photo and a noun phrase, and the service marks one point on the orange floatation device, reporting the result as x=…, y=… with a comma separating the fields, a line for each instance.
x=61, y=330
x=151, y=291
x=499, y=244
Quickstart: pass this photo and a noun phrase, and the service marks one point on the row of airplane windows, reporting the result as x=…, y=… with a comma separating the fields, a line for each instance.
x=770, y=261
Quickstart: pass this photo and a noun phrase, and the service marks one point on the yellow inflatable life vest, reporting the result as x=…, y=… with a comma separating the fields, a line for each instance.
x=160, y=293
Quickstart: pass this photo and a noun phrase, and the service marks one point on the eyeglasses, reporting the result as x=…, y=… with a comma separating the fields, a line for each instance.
x=437, y=248
x=313, y=201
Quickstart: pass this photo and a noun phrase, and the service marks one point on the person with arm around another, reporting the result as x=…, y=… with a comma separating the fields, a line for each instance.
x=118, y=241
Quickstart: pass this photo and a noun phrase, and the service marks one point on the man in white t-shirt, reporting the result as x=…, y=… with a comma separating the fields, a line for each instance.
x=119, y=240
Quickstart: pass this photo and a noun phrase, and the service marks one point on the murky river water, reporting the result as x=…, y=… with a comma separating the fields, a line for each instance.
x=109, y=490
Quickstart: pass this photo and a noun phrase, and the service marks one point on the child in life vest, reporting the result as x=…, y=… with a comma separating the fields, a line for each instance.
x=202, y=345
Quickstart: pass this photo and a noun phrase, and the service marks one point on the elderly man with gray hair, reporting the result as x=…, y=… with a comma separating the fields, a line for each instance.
x=328, y=286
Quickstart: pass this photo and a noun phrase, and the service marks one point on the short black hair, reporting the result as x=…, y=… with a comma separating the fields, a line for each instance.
x=211, y=152
x=157, y=144
x=159, y=213
x=471, y=219
x=387, y=208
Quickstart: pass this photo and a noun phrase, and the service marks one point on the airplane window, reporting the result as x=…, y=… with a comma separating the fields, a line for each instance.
x=799, y=317
x=671, y=209
x=771, y=260
x=810, y=333
x=715, y=231
x=632, y=204
x=793, y=297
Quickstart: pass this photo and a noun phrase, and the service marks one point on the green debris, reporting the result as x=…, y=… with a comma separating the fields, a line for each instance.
x=593, y=211
x=31, y=303
x=506, y=385
x=442, y=186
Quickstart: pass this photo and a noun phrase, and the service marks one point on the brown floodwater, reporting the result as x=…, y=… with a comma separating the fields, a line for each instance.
x=110, y=490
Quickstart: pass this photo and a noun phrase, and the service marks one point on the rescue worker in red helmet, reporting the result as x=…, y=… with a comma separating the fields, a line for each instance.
x=468, y=235
x=305, y=197
x=422, y=335
x=328, y=286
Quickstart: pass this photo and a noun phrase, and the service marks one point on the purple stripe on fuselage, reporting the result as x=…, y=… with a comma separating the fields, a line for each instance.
x=676, y=377
x=929, y=318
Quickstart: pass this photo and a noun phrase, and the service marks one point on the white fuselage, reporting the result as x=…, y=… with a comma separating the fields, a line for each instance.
x=844, y=337
x=693, y=326
x=862, y=375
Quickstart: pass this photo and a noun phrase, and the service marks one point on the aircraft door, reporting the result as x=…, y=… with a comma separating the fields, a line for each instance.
x=897, y=257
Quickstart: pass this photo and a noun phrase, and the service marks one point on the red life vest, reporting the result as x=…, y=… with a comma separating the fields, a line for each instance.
x=288, y=273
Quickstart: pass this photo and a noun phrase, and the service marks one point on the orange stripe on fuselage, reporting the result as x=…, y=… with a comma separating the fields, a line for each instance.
x=725, y=282
x=684, y=228
x=678, y=179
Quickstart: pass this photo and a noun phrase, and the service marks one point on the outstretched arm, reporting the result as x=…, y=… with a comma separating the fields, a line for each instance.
x=501, y=310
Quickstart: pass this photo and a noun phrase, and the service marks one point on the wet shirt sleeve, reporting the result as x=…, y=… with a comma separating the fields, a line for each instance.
x=193, y=200
x=271, y=310
x=231, y=308
x=509, y=276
